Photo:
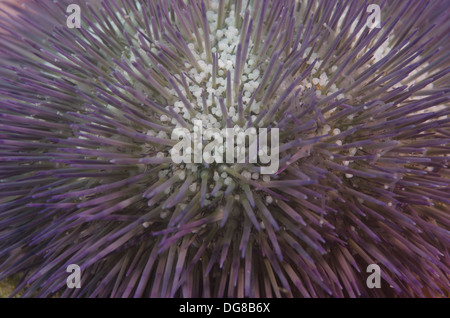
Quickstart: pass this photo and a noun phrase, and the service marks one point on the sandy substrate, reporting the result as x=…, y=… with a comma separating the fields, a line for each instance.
x=7, y=287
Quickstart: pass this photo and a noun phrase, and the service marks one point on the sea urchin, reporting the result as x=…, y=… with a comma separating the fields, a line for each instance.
x=87, y=177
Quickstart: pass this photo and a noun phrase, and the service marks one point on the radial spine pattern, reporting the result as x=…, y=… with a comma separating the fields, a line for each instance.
x=87, y=174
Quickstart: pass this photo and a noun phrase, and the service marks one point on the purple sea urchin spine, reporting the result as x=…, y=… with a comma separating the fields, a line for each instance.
x=87, y=177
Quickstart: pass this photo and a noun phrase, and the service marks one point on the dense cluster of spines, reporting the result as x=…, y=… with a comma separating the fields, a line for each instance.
x=86, y=174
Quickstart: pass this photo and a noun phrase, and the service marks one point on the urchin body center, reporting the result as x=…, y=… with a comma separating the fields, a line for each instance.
x=214, y=108
x=221, y=92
